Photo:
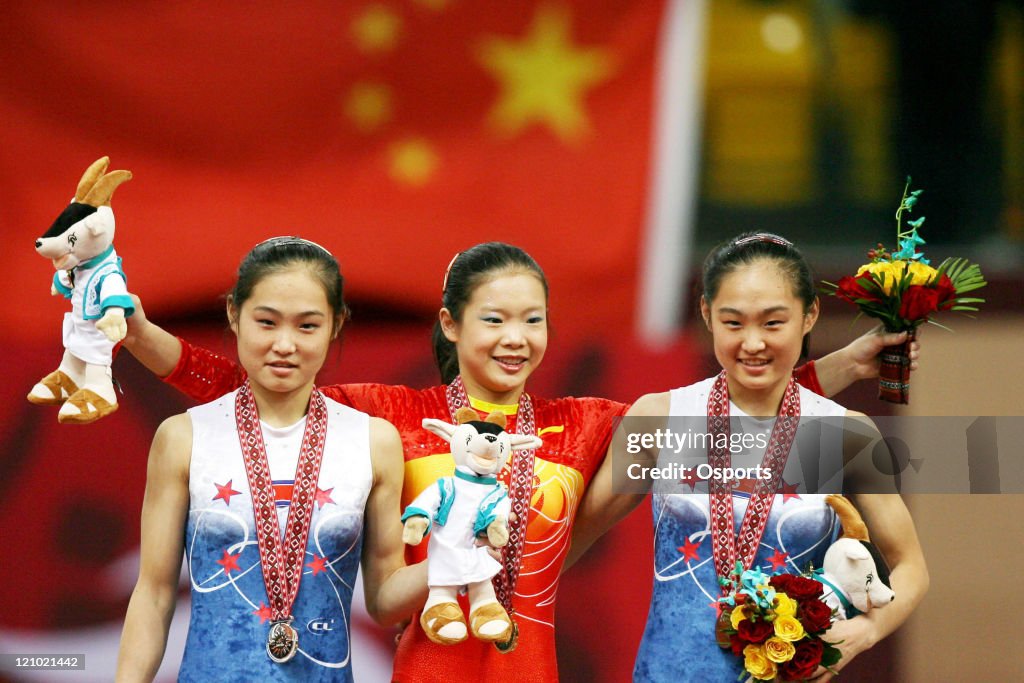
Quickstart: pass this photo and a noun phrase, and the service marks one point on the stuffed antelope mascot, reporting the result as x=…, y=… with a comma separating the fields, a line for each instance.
x=80, y=243
x=454, y=513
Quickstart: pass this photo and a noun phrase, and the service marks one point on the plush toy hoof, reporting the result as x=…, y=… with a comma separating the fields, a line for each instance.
x=444, y=623
x=490, y=622
x=84, y=406
x=52, y=390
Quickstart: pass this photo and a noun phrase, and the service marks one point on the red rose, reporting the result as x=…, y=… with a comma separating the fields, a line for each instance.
x=755, y=632
x=919, y=301
x=800, y=589
x=853, y=288
x=804, y=662
x=780, y=581
x=737, y=644
x=815, y=616
x=947, y=292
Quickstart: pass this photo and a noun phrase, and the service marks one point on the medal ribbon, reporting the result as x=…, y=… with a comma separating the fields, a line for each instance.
x=723, y=539
x=281, y=559
x=520, y=490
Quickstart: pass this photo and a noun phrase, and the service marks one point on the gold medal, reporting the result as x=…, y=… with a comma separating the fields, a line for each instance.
x=513, y=640
x=282, y=642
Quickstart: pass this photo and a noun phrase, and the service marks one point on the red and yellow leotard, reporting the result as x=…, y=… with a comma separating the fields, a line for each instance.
x=575, y=431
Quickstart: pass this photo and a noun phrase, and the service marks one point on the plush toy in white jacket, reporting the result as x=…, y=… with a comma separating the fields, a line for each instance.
x=454, y=512
x=854, y=573
x=80, y=243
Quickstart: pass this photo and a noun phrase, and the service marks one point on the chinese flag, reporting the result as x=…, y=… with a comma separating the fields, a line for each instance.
x=396, y=133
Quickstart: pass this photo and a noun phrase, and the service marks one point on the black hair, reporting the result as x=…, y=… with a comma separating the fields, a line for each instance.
x=278, y=254
x=467, y=271
x=750, y=247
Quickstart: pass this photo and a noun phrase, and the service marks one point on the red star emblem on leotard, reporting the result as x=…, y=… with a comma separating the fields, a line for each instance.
x=689, y=551
x=229, y=562
x=224, y=492
x=264, y=613
x=319, y=564
x=789, y=491
x=323, y=497
x=778, y=560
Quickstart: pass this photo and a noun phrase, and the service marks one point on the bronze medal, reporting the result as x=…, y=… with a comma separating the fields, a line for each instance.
x=723, y=624
x=282, y=642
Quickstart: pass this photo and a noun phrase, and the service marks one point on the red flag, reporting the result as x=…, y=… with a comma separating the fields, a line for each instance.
x=395, y=134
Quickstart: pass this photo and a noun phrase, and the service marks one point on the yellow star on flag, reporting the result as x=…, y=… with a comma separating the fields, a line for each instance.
x=544, y=77
x=368, y=105
x=376, y=29
x=413, y=161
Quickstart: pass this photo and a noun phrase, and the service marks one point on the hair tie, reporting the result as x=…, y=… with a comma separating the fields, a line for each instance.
x=286, y=240
x=447, y=272
x=763, y=237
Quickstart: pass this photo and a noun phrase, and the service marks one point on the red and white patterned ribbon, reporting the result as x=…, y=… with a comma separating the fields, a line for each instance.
x=723, y=538
x=281, y=559
x=520, y=490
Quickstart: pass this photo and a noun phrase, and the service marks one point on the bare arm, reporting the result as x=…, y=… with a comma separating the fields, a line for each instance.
x=605, y=504
x=892, y=531
x=858, y=360
x=393, y=590
x=152, y=345
x=164, y=512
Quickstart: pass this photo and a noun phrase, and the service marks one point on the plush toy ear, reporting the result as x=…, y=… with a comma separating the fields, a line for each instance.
x=442, y=429
x=496, y=417
x=89, y=178
x=465, y=414
x=854, y=551
x=524, y=442
x=849, y=518
x=103, y=190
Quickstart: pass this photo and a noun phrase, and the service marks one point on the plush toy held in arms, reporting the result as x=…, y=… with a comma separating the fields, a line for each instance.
x=853, y=572
x=454, y=513
x=80, y=245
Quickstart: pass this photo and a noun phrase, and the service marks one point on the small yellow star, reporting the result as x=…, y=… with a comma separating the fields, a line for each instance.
x=544, y=77
x=368, y=105
x=376, y=29
x=413, y=161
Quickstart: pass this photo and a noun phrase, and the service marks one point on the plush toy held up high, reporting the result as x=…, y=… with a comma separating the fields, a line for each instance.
x=454, y=512
x=854, y=573
x=80, y=245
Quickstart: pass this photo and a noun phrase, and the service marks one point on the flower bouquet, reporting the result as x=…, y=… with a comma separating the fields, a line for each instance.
x=775, y=624
x=902, y=290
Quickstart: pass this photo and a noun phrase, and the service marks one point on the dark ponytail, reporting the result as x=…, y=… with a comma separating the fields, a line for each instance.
x=755, y=246
x=467, y=271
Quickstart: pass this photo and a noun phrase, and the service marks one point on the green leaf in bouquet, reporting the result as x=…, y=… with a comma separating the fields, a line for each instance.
x=830, y=655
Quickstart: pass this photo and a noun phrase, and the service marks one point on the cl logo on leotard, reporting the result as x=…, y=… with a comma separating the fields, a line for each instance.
x=320, y=626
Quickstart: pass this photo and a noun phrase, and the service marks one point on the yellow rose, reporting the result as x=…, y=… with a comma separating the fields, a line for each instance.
x=738, y=615
x=889, y=272
x=778, y=650
x=785, y=606
x=920, y=274
x=757, y=664
x=788, y=628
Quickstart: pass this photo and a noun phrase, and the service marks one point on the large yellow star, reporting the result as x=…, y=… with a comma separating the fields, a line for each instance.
x=543, y=77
